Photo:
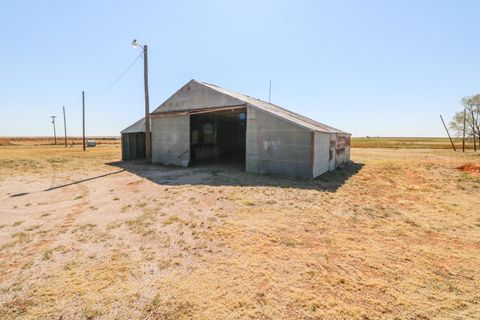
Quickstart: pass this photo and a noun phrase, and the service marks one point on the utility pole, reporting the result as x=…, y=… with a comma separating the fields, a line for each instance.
x=83, y=118
x=65, y=126
x=54, y=131
x=448, y=133
x=148, y=145
x=474, y=132
x=464, y=120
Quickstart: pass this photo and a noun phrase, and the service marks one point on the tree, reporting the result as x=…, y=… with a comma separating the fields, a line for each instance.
x=469, y=116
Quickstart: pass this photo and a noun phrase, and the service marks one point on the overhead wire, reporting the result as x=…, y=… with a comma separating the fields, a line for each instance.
x=77, y=100
x=117, y=79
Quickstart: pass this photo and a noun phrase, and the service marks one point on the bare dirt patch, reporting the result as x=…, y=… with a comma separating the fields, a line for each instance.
x=472, y=168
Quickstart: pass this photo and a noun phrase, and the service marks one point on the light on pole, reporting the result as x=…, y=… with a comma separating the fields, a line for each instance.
x=148, y=145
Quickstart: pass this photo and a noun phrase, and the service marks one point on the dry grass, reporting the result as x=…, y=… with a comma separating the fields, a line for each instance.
x=45, y=141
x=410, y=143
x=398, y=239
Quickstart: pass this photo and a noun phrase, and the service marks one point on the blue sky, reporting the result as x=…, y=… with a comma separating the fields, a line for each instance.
x=385, y=68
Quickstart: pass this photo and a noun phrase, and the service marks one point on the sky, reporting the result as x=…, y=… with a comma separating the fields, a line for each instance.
x=376, y=68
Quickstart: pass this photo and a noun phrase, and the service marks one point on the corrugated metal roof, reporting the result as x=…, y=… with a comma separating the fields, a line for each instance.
x=276, y=110
x=138, y=126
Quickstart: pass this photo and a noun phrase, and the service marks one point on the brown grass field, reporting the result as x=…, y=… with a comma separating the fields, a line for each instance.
x=395, y=234
x=410, y=143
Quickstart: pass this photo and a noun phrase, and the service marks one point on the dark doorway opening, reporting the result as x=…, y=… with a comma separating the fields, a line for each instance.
x=218, y=137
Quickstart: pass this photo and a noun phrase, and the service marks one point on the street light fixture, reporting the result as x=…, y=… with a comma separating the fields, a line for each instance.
x=148, y=145
x=135, y=44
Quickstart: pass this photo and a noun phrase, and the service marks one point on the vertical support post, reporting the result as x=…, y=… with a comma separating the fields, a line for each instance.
x=464, y=122
x=448, y=133
x=474, y=132
x=148, y=144
x=65, y=125
x=83, y=118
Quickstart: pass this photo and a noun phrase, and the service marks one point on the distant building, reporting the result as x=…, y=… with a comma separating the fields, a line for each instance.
x=203, y=123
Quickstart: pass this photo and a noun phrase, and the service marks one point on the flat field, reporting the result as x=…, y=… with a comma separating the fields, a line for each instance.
x=393, y=235
x=410, y=143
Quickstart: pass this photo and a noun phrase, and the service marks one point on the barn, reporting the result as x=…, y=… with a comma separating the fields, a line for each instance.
x=203, y=123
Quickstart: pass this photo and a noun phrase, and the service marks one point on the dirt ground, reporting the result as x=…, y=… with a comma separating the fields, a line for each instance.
x=393, y=235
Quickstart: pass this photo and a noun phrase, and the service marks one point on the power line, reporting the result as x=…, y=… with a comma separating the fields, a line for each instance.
x=20, y=116
x=118, y=79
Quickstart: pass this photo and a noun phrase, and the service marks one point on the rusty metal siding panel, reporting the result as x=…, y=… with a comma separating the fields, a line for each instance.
x=276, y=146
x=322, y=154
x=333, y=153
x=342, y=151
x=171, y=140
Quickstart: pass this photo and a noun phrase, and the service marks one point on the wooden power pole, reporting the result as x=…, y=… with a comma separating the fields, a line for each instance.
x=464, y=121
x=148, y=144
x=448, y=133
x=474, y=131
x=65, y=126
x=54, y=131
x=83, y=118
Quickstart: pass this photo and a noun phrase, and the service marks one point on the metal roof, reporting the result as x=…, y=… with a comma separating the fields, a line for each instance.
x=138, y=126
x=276, y=110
